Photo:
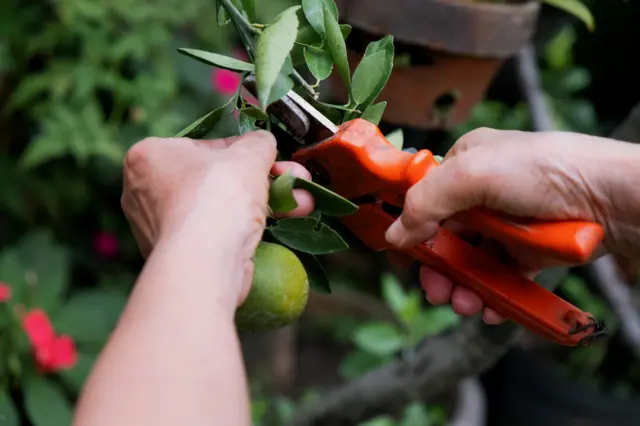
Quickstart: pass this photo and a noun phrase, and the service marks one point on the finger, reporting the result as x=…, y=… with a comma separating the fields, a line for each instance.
x=304, y=199
x=258, y=147
x=491, y=317
x=465, y=302
x=296, y=169
x=437, y=287
x=457, y=185
x=306, y=205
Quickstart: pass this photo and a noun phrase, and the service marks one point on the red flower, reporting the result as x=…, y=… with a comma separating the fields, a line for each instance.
x=37, y=326
x=105, y=244
x=51, y=352
x=59, y=353
x=5, y=292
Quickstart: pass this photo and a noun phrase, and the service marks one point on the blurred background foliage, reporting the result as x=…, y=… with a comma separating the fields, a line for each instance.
x=82, y=80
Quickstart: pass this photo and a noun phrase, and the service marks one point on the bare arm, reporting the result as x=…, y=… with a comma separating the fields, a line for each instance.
x=175, y=356
x=197, y=210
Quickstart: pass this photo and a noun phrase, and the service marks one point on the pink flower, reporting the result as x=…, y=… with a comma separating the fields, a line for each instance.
x=224, y=81
x=5, y=292
x=105, y=244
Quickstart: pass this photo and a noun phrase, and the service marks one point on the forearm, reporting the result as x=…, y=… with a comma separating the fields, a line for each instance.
x=175, y=357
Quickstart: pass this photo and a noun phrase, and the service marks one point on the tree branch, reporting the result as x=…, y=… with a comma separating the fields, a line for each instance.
x=471, y=409
x=529, y=76
x=421, y=373
x=617, y=293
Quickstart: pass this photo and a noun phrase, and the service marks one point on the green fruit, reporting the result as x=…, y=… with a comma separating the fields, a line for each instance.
x=279, y=290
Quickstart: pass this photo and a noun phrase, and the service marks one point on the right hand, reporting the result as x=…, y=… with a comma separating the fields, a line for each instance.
x=544, y=175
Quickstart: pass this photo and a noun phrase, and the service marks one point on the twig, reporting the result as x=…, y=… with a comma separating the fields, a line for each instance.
x=471, y=409
x=529, y=76
x=617, y=293
x=245, y=29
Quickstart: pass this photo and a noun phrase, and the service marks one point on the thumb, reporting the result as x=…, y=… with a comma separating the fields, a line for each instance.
x=456, y=185
x=260, y=147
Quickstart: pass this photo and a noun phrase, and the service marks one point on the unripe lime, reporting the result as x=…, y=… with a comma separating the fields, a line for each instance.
x=279, y=290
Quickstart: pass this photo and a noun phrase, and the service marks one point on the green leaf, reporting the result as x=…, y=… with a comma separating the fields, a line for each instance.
x=416, y=414
x=357, y=363
x=392, y=293
x=379, y=421
x=575, y=8
x=281, y=199
x=249, y=7
x=318, y=280
x=90, y=316
x=205, y=124
x=76, y=377
x=314, y=12
x=438, y=158
x=12, y=272
x=396, y=138
x=45, y=403
x=305, y=234
x=368, y=76
x=379, y=338
x=248, y=118
x=280, y=89
x=432, y=321
x=222, y=17
x=220, y=61
x=345, y=29
x=374, y=112
x=42, y=150
x=336, y=46
x=272, y=50
x=326, y=201
x=319, y=62
x=385, y=45
x=48, y=265
x=8, y=413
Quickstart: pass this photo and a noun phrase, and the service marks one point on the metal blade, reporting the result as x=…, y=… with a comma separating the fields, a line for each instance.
x=304, y=123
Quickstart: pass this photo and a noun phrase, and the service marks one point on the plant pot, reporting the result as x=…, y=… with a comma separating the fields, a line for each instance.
x=456, y=47
x=524, y=390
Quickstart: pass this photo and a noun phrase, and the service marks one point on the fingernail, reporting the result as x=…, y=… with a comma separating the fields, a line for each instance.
x=395, y=233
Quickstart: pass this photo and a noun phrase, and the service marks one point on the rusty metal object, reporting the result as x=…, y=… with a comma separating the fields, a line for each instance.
x=459, y=44
x=411, y=92
x=463, y=27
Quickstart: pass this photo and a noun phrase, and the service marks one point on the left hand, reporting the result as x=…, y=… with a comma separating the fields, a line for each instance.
x=223, y=185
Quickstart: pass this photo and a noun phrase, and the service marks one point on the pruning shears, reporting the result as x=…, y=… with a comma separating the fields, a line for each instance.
x=356, y=161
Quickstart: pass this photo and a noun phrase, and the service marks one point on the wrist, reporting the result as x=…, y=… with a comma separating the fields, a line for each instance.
x=618, y=196
x=210, y=257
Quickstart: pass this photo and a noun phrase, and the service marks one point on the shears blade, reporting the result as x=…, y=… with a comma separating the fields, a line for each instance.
x=302, y=124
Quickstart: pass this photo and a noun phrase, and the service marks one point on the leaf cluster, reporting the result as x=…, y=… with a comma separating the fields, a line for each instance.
x=307, y=36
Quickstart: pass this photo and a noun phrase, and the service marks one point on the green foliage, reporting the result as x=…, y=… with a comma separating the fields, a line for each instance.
x=575, y=8
x=377, y=342
x=37, y=269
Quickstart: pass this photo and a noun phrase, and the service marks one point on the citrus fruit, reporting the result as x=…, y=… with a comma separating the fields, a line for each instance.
x=279, y=290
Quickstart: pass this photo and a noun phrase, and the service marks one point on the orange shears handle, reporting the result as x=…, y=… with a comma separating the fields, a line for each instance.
x=362, y=161
x=503, y=289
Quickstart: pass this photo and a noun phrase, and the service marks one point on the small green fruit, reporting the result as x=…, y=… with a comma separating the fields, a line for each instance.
x=279, y=290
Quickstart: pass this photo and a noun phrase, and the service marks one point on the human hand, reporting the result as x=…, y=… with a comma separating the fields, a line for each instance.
x=547, y=175
x=223, y=185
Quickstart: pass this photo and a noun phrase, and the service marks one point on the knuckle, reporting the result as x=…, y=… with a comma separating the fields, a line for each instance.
x=415, y=206
x=138, y=154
